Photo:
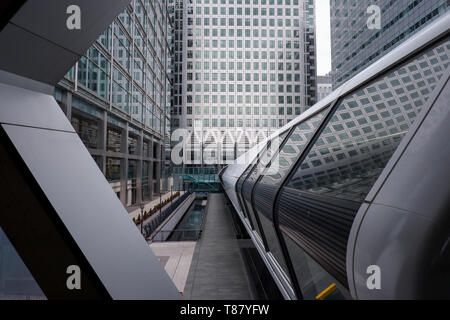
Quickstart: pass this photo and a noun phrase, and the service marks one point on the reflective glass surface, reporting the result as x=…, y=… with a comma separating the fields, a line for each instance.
x=112, y=169
x=274, y=172
x=246, y=204
x=367, y=128
x=113, y=140
x=291, y=150
x=346, y=159
x=87, y=130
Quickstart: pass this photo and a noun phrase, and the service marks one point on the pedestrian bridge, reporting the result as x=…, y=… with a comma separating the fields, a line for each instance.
x=356, y=188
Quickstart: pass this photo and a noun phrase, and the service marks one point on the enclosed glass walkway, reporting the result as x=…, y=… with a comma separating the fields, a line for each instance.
x=348, y=185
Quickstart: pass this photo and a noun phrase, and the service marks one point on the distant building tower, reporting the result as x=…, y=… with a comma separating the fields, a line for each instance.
x=324, y=86
x=241, y=65
x=356, y=40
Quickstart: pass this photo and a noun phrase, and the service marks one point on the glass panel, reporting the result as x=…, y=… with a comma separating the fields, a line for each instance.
x=132, y=185
x=16, y=281
x=155, y=171
x=262, y=161
x=348, y=157
x=239, y=188
x=146, y=149
x=99, y=161
x=313, y=279
x=132, y=145
x=367, y=128
x=155, y=150
x=265, y=158
x=240, y=183
x=273, y=174
x=98, y=80
x=145, y=184
x=87, y=131
x=112, y=169
x=132, y=169
x=291, y=150
x=113, y=142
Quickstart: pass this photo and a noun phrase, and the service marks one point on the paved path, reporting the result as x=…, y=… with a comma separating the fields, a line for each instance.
x=217, y=270
x=176, y=259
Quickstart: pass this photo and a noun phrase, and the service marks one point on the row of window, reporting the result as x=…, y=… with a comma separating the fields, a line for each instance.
x=113, y=170
x=242, y=88
x=273, y=99
x=206, y=110
x=245, y=11
x=254, y=2
x=269, y=77
x=255, y=44
x=239, y=86
x=215, y=65
x=89, y=132
x=263, y=33
x=254, y=123
x=255, y=55
x=248, y=22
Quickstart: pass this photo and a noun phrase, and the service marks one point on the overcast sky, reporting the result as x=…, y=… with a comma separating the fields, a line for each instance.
x=323, y=36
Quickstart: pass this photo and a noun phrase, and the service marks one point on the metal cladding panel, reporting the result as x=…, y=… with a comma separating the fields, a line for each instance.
x=37, y=44
x=92, y=213
x=47, y=20
x=320, y=225
x=8, y=9
x=411, y=252
x=32, y=109
x=25, y=83
x=27, y=55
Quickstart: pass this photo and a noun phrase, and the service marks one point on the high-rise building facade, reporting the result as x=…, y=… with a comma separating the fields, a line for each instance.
x=117, y=97
x=241, y=65
x=354, y=46
x=324, y=86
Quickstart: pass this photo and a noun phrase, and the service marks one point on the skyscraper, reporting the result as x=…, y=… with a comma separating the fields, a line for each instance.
x=117, y=97
x=241, y=65
x=354, y=46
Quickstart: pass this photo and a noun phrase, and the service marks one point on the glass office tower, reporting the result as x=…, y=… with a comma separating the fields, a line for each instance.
x=354, y=46
x=118, y=99
x=240, y=66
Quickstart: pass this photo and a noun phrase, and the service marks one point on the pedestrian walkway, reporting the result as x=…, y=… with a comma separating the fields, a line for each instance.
x=217, y=270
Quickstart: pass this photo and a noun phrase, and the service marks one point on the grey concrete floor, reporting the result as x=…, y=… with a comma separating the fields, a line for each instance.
x=217, y=270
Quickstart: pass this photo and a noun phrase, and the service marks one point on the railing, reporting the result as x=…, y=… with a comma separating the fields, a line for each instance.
x=155, y=221
x=178, y=235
